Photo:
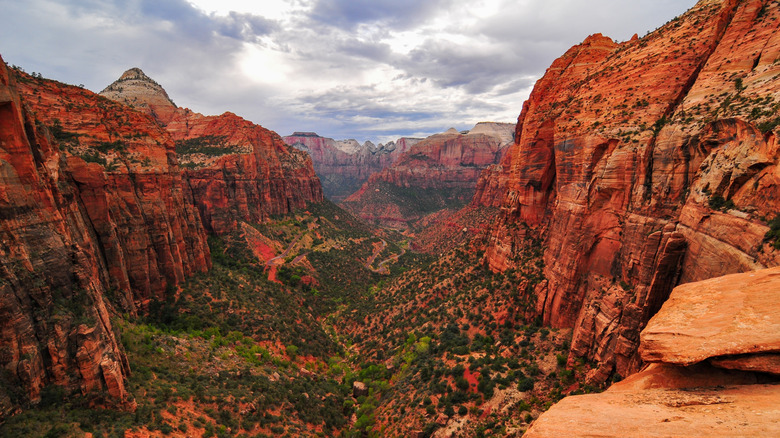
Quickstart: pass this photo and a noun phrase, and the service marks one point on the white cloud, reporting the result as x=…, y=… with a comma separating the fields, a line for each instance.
x=367, y=69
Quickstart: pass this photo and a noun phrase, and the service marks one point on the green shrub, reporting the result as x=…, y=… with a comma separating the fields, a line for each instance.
x=721, y=204
x=773, y=235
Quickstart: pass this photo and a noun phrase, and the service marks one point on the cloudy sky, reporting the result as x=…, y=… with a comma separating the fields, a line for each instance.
x=365, y=69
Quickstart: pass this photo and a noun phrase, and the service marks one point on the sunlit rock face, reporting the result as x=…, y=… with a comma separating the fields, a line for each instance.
x=237, y=170
x=712, y=354
x=83, y=219
x=437, y=173
x=344, y=165
x=647, y=164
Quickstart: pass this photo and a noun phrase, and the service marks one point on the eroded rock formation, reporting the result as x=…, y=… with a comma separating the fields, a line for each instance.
x=647, y=164
x=97, y=216
x=67, y=239
x=687, y=389
x=437, y=173
x=344, y=165
x=237, y=170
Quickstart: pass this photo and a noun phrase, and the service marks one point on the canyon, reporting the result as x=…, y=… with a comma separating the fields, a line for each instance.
x=97, y=205
x=645, y=164
x=187, y=272
x=344, y=165
x=437, y=173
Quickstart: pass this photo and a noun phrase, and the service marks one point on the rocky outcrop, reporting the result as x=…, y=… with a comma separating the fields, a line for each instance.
x=748, y=410
x=55, y=251
x=735, y=316
x=646, y=164
x=236, y=170
x=344, y=165
x=137, y=90
x=683, y=392
x=437, y=173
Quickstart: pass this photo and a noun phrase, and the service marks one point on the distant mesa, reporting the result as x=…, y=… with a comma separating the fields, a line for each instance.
x=344, y=165
x=437, y=173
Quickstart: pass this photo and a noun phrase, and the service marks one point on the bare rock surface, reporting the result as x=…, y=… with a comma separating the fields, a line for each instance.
x=683, y=394
x=645, y=164
x=749, y=410
x=731, y=315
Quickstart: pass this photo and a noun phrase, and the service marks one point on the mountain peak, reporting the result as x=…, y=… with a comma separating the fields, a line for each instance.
x=136, y=89
x=134, y=73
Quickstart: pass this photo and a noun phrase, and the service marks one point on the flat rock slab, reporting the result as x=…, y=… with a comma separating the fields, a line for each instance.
x=763, y=363
x=730, y=315
x=748, y=410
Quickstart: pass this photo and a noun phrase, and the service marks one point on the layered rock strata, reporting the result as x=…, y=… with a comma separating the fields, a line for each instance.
x=237, y=170
x=685, y=390
x=647, y=164
x=344, y=165
x=437, y=173
x=72, y=231
x=97, y=213
x=125, y=173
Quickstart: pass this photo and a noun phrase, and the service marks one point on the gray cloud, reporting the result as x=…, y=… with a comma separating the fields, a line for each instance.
x=395, y=13
x=368, y=69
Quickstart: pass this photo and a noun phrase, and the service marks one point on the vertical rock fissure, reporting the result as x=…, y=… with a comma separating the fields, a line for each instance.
x=727, y=15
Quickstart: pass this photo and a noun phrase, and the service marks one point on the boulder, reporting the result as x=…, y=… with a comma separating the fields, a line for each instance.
x=735, y=314
x=359, y=389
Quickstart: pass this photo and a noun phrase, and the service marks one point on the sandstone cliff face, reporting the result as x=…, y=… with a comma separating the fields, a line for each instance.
x=252, y=176
x=137, y=90
x=54, y=277
x=343, y=166
x=97, y=212
x=706, y=347
x=437, y=173
x=126, y=176
x=647, y=164
x=236, y=170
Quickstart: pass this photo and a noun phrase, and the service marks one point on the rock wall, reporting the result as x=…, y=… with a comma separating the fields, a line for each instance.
x=125, y=173
x=256, y=176
x=646, y=164
x=343, y=166
x=236, y=170
x=56, y=327
x=437, y=173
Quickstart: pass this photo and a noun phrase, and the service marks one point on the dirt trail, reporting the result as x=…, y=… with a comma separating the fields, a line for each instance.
x=273, y=265
x=381, y=268
x=375, y=255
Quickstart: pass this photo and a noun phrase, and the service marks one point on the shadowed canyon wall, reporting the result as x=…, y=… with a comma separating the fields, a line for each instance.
x=98, y=217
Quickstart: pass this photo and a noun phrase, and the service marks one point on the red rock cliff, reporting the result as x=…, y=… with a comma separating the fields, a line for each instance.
x=343, y=166
x=441, y=171
x=54, y=258
x=127, y=178
x=646, y=164
x=237, y=171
